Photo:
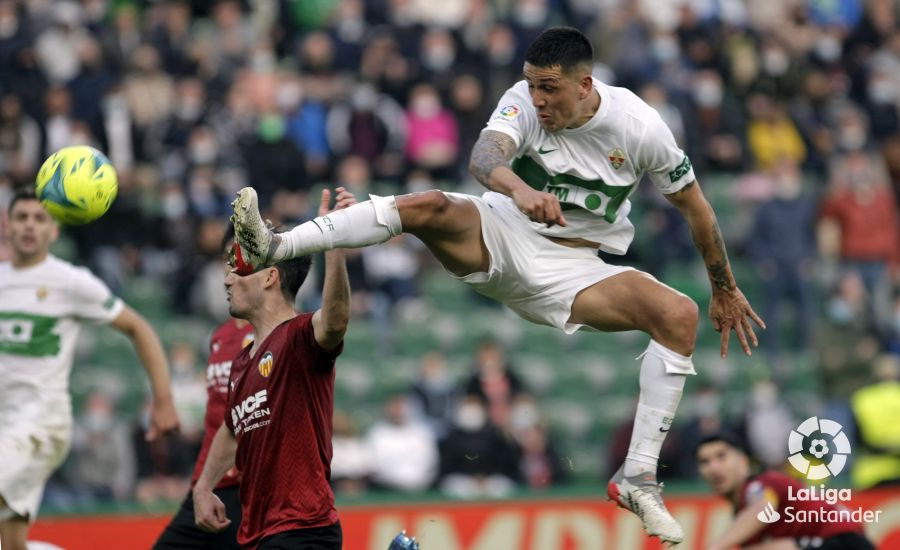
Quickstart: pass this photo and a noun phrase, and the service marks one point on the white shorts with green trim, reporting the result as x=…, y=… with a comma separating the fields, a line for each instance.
x=529, y=273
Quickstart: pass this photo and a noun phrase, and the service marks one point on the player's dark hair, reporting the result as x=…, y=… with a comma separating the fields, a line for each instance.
x=292, y=274
x=564, y=46
x=21, y=194
x=728, y=438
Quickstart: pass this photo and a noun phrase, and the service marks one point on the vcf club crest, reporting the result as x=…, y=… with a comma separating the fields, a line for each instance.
x=818, y=448
x=265, y=364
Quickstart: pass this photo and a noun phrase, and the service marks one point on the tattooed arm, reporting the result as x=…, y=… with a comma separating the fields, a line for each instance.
x=728, y=308
x=490, y=166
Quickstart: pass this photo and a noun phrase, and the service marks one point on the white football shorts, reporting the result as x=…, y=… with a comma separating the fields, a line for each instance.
x=28, y=456
x=529, y=273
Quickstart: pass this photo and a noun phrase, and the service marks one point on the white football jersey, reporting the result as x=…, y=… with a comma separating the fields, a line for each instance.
x=594, y=168
x=41, y=311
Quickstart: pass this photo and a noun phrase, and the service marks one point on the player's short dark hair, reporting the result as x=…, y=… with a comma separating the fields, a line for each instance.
x=728, y=438
x=292, y=273
x=21, y=194
x=564, y=46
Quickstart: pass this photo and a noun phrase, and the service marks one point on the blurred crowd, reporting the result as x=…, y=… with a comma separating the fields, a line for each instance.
x=788, y=108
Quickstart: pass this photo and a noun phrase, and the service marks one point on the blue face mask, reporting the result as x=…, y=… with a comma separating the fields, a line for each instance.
x=840, y=312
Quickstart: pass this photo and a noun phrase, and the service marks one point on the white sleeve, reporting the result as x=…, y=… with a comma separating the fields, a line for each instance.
x=514, y=116
x=660, y=157
x=91, y=299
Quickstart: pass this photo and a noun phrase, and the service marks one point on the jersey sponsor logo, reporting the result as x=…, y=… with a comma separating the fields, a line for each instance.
x=616, y=158
x=681, y=170
x=265, y=364
x=251, y=413
x=509, y=112
x=768, y=514
x=217, y=375
x=573, y=192
x=28, y=335
x=42, y=293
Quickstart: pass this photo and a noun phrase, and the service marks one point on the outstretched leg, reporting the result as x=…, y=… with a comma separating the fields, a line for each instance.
x=448, y=224
x=636, y=301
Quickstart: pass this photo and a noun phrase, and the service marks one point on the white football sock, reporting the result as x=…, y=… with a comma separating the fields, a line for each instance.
x=663, y=374
x=371, y=222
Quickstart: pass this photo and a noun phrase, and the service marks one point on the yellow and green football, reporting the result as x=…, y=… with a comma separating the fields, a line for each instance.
x=77, y=184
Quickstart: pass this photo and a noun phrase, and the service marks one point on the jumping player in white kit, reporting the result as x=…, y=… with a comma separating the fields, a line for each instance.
x=43, y=303
x=560, y=155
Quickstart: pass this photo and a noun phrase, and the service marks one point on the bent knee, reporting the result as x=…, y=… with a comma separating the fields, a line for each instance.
x=422, y=210
x=679, y=327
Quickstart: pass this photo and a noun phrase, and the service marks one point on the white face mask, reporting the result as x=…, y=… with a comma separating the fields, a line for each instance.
x=828, y=48
x=426, y=106
x=174, y=205
x=438, y=59
x=666, y=48
x=471, y=417
x=775, y=61
x=708, y=94
x=882, y=91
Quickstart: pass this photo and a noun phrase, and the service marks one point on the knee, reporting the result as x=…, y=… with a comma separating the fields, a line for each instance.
x=422, y=210
x=680, y=326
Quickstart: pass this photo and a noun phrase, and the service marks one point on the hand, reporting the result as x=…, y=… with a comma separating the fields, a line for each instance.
x=344, y=199
x=729, y=310
x=539, y=206
x=163, y=419
x=209, y=511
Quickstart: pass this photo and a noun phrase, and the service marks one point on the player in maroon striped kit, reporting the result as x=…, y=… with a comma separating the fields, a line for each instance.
x=278, y=425
x=724, y=464
x=225, y=343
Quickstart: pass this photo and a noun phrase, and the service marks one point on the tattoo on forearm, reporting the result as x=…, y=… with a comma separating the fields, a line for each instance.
x=492, y=149
x=719, y=271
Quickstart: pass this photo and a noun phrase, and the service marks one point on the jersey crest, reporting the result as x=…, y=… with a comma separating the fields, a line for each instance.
x=265, y=364
x=616, y=158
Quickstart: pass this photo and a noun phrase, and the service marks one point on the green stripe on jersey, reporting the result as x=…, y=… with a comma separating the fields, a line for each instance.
x=28, y=335
x=599, y=196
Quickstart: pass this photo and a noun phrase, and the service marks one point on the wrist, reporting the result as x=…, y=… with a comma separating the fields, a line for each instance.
x=163, y=399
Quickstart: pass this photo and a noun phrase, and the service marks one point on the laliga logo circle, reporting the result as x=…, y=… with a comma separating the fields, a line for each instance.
x=819, y=448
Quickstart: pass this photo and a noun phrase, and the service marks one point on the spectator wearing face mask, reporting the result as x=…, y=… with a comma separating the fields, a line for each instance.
x=433, y=135
x=477, y=460
x=402, y=449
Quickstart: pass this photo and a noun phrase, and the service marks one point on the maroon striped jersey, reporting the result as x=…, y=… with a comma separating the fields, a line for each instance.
x=280, y=410
x=225, y=344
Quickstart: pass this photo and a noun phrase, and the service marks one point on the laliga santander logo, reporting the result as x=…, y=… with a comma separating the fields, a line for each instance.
x=768, y=514
x=802, y=442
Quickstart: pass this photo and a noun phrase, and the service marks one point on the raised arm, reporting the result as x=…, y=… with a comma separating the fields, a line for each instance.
x=163, y=417
x=490, y=166
x=331, y=320
x=728, y=308
x=209, y=511
x=745, y=526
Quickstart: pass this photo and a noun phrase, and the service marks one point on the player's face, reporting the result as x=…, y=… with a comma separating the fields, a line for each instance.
x=722, y=466
x=31, y=230
x=556, y=95
x=244, y=292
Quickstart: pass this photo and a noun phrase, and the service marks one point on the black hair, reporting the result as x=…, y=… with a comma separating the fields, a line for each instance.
x=21, y=194
x=292, y=273
x=564, y=46
x=728, y=438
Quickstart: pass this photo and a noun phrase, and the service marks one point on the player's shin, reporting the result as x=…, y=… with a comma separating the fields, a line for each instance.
x=371, y=222
x=663, y=374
